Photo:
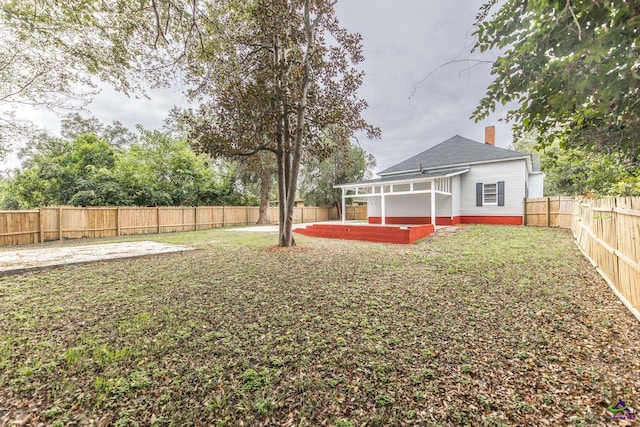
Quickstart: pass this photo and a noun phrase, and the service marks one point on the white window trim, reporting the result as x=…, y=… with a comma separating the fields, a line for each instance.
x=484, y=201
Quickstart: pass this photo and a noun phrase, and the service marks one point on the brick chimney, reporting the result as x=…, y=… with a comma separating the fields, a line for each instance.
x=490, y=135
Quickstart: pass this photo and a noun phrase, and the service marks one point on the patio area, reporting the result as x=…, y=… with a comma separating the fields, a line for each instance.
x=400, y=234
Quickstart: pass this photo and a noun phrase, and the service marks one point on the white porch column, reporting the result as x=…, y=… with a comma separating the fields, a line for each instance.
x=433, y=205
x=383, y=218
x=344, y=207
x=450, y=190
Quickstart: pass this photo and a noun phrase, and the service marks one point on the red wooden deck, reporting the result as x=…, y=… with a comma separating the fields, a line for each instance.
x=372, y=233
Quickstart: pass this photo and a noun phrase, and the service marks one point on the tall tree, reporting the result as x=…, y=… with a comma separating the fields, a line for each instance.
x=280, y=87
x=64, y=172
x=257, y=171
x=570, y=67
x=251, y=169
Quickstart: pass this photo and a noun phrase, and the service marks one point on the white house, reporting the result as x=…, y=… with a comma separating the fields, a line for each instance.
x=459, y=181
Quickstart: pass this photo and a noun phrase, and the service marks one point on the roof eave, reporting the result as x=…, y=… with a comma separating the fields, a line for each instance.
x=400, y=181
x=523, y=157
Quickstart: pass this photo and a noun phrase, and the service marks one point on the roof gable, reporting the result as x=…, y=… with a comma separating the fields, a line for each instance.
x=456, y=150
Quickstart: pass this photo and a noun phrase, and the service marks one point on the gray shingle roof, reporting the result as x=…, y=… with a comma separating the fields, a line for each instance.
x=454, y=151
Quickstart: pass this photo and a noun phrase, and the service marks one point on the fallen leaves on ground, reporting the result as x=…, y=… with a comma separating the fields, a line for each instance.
x=487, y=326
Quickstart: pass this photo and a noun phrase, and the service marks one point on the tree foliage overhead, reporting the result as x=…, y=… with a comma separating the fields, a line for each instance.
x=54, y=52
x=571, y=68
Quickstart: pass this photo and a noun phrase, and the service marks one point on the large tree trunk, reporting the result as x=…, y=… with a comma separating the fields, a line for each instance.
x=292, y=150
x=264, y=216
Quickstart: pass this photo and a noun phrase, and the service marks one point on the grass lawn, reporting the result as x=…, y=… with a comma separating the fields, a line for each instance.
x=485, y=326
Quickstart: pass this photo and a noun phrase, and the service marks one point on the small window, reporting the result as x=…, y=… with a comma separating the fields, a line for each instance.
x=490, y=194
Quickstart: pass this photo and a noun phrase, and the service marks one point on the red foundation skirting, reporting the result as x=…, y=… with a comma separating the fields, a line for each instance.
x=370, y=233
x=445, y=220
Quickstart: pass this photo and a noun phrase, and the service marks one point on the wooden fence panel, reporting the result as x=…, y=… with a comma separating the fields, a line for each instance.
x=536, y=212
x=549, y=211
x=253, y=214
x=49, y=217
x=138, y=220
x=101, y=222
x=235, y=215
x=19, y=227
x=566, y=209
x=72, y=222
x=210, y=217
x=356, y=213
x=174, y=218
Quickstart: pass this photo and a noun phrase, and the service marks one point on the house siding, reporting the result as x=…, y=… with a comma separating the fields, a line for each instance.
x=536, y=185
x=514, y=175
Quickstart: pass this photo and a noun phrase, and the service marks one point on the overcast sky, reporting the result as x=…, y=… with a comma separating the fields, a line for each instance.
x=403, y=41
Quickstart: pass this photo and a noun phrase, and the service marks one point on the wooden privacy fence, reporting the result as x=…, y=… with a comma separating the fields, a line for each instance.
x=70, y=222
x=355, y=213
x=550, y=211
x=608, y=233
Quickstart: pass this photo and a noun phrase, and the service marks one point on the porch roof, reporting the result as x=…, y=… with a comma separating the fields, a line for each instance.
x=406, y=178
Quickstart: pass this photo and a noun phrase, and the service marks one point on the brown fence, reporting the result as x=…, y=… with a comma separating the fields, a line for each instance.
x=550, y=211
x=356, y=213
x=69, y=222
x=608, y=233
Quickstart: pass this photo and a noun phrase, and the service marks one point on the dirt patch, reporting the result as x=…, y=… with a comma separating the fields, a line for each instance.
x=20, y=261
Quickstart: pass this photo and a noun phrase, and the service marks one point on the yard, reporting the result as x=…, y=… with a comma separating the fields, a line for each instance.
x=484, y=326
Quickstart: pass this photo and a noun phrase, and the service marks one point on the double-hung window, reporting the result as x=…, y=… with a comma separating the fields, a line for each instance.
x=490, y=194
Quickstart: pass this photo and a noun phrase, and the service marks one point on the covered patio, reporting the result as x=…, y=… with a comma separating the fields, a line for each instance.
x=400, y=209
x=418, y=198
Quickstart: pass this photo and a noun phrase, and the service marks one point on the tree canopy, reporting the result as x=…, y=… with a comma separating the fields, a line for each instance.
x=570, y=68
x=283, y=81
x=87, y=170
x=576, y=171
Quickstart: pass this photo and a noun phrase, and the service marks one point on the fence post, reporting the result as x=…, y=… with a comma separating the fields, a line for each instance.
x=60, y=222
x=158, y=217
x=548, y=212
x=41, y=225
x=614, y=220
x=524, y=212
x=117, y=220
x=195, y=219
x=247, y=214
x=223, y=218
